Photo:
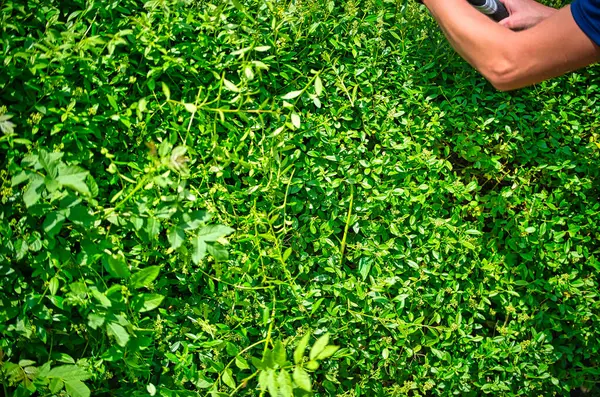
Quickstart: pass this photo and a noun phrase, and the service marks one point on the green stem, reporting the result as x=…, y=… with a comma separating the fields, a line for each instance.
x=347, y=226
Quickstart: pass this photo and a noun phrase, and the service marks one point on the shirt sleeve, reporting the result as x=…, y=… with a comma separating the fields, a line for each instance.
x=587, y=15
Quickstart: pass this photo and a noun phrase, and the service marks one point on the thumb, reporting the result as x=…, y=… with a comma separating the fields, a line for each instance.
x=508, y=23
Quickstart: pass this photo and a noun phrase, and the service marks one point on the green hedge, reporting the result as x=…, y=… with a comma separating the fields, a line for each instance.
x=268, y=197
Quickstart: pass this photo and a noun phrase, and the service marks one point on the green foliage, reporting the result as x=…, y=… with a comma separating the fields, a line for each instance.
x=192, y=189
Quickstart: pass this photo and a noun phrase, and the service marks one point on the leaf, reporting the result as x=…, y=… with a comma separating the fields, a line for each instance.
x=230, y=86
x=284, y=381
x=74, y=178
x=68, y=373
x=33, y=191
x=190, y=107
x=176, y=237
x=318, y=86
x=319, y=346
x=292, y=94
x=228, y=378
x=296, y=120
x=56, y=385
x=214, y=232
x=272, y=383
x=53, y=223
x=364, y=266
x=104, y=301
x=151, y=389
x=327, y=352
x=302, y=379
x=166, y=91
x=301, y=348
x=145, y=277
x=117, y=267
x=120, y=334
x=279, y=353
x=146, y=302
x=198, y=249
x=53, y=285
x=76, y=388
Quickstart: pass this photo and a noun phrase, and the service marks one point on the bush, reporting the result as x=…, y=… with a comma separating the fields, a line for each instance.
x=197, y=197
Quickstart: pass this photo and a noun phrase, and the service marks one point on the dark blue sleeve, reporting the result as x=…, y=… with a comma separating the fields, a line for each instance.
x=587, y=16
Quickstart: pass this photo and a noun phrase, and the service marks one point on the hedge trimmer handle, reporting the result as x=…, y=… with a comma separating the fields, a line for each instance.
x=492, y=8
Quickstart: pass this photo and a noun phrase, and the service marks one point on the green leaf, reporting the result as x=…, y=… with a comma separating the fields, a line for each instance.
x=296, y=120
x=166, y=91
x=272, y=386
x=120, y=334
x=319, y=346
x=74, y=178
x=198, y=249
x=176, y=237
x=327, y=352
x=117, y=267
x=230, y=86
x=227, y=377
x=145, y=277
x=68, y=373
x=151, y=389
x=53, y=223
x=190, y=107
x=302, y=379
x=318, y=86
x=146, y=302
x=56, y=385
x=301, y=348
x=279, y=353
x=214, y=232
x=104, y=301
x=292, y=94
x=284, y=381
x=33, y=191
x=76, y=388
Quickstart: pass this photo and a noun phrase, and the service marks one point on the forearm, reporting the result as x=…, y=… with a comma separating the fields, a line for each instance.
x=479, y=40
x=511, y=60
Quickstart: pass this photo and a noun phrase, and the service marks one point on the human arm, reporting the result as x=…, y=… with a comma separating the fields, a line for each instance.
x=525, y=14
x=511, y=60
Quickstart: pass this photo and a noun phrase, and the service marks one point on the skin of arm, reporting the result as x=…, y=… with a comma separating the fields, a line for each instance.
x=508, y=59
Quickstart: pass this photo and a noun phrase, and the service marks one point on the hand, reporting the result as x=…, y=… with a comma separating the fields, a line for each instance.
x=525, y=14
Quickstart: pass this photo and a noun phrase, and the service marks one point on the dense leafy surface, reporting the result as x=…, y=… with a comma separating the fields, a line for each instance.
x=195, y=192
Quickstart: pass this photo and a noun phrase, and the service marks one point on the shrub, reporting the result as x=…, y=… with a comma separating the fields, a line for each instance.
x=197, y=197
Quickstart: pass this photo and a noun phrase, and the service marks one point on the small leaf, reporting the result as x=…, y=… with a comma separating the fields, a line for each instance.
x=68, y=373
x=284, y=381
x=319, y=346
x=53, y=285
x=198, y=249
x=190, y=107
x=318, y=86
x=312, y=365
x=262, y=48
x=146, y=302
x=295, y=120
x=301, y=348
x=230, y=86
x=166, y=91
x=292, y=94
x=272, y=383
x=53, y=223
x=279, y=353
x=74, y=178
x=302, y=379
x=228, y=378
x=115, y=264
x=327, y=352
x=77, y=388
x=151, y=389
x=120, y=334
x=176, y=237
x=214, y=232
x=145, y=277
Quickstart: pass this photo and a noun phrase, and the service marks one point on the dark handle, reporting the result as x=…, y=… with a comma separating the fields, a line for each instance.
x=492, y=8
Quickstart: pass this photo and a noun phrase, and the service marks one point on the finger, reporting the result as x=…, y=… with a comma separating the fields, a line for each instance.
x=507, y=23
